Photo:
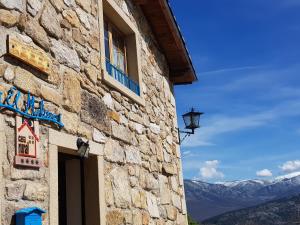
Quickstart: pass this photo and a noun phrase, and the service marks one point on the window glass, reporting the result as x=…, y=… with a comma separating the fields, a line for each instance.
x=106, y=37
x=115, y=47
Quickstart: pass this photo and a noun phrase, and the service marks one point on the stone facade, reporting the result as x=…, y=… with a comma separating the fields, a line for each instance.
x=142, y=166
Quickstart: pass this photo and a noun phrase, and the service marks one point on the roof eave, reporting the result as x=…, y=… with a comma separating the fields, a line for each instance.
x=161, y=18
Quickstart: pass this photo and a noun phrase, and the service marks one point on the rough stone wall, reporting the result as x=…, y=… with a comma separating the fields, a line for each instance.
x=143, y=177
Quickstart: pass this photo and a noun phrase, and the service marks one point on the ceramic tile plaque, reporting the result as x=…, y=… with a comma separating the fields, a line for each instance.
x=28, y=54
x=27, y=135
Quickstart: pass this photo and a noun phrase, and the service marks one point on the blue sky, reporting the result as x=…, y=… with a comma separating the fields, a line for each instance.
x=247, y=57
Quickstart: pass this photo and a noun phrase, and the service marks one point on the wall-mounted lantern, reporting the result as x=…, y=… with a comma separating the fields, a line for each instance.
x=191, y=121
x=83, y=148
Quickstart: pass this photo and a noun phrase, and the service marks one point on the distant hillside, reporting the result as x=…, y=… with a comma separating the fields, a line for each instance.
x=280, y=212
x=205, y=200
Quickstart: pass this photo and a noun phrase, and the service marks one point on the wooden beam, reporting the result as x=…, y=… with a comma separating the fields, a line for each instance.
x=140, y=2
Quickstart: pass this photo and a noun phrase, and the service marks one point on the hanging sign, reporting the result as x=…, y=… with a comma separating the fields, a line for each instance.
x=30, y=55
x=27, y=143
x=29, y=108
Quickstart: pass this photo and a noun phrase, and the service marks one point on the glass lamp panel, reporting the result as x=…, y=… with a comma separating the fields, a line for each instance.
x=187, y=120
x=195, y=117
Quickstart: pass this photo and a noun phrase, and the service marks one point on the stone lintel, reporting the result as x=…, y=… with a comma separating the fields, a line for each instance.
x=69, y=141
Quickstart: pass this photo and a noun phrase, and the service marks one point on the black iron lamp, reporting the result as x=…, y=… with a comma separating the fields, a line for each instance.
x=191, y=121
x=83, y=148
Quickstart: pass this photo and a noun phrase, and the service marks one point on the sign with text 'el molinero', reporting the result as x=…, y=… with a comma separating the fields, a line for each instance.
x=33, y=56
x=27, y=106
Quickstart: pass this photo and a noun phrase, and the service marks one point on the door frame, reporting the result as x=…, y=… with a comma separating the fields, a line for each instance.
x=66, y=143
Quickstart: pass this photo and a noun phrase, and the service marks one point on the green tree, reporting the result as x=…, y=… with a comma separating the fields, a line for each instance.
x=191, y=221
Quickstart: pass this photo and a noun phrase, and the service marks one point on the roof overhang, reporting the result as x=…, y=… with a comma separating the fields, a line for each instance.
x=165, y=28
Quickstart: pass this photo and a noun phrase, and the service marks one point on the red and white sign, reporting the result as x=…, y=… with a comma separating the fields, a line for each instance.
x=27, y=150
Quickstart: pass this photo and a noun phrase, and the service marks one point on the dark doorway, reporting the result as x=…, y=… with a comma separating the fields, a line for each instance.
x=78, y=190
x=70, y=190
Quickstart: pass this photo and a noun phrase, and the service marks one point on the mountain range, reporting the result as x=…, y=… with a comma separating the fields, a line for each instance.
x=284, y=211
x=207, y=200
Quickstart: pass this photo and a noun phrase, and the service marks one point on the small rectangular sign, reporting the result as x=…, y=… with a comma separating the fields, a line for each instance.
x=30, y=55
x=27, y=135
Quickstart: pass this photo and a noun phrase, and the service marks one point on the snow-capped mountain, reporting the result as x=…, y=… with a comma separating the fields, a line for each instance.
x=205, y=200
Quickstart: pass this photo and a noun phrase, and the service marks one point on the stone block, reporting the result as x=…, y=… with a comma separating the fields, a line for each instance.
x=92, y=72
x=115, y=217
x=33, y=29
x=8, y=18
x=174, y=183
x=21, y=174
x=137, y=218
x=35, y=192
x=121, y=188
x=51, y=95
x=65, y=55
x=139, y=128
x=94, y=112
x=13, y=4
x=171, y=212
x=113, y=152
x=128, y=216
x=165, y=194
x=154, y=128
x=49, y=20
x=58, y=5
x=70, y=3
x=169, y=169
x=9, y=74
x=14, y=191
x=71, y=92
x=78, y=36
x=145, y=218
x=84, y=18
x=34, y=6
x=133, y=156
x=98, y=136
x=71, y=17
x=26, y=81
x=114, y=116
x=120, y=132
x=143, y=199
x=71, y=122
x=152, y=205
x=151, y=182
x=108, y=101
x=84, y=4
x=176, y=200
x=109, y=196
x=136, y=198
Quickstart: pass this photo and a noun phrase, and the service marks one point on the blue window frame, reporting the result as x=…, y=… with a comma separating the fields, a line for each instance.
x=122, y=78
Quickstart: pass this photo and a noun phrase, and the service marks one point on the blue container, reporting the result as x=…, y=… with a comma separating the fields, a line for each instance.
x=29, y=216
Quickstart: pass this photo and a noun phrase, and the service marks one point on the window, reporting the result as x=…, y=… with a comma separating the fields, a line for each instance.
x=115, y=47
x=116, y=56
x=120, y=52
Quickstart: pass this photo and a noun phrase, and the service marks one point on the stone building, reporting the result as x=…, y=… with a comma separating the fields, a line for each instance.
x=102, y=71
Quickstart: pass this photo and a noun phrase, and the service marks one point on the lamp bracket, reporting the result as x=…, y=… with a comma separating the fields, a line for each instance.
x=187, y=134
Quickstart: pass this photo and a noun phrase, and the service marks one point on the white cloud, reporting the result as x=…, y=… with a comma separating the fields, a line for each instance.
x=290, y=166
x=232, y=69
x=186, y=153
x=264, y=173
x=210, y=170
